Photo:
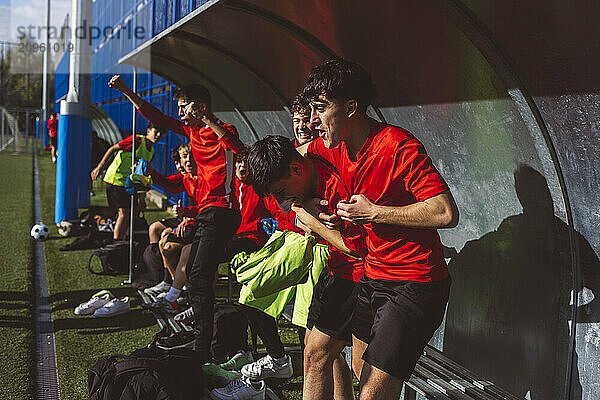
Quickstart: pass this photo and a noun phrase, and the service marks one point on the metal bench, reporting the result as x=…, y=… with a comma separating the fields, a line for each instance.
x=437, y=377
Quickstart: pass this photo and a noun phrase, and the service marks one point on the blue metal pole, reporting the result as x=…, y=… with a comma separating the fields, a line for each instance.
x=74, y=128
x=67, y=166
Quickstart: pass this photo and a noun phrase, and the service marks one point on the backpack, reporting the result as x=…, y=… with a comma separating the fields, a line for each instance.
x=114, y=258
x=91, y=240
x=230, y=332
x=148, y=374
x=149, y=270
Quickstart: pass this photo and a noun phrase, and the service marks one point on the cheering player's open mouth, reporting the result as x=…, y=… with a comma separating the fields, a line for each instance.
x=243, y=172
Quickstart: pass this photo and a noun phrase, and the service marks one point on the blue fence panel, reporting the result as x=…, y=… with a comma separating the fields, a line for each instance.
x=160, y=16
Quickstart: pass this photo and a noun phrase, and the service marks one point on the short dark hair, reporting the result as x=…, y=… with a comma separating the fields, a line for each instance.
x=268, y=161
x=242, y=154
x=300, y=105
x=175, y=154
x=342, y=80
x=153, y=126
x=193, y=92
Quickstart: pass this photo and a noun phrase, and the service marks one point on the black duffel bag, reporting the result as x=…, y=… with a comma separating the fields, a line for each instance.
x=114, y=258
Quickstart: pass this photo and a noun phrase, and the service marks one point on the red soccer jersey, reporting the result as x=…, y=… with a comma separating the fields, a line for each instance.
x=178, y=183
x=331, y=189
x=52, y=127
x=393, y=169
x=215, y=164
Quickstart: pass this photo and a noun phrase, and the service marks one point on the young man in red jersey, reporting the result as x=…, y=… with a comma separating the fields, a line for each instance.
x=53, y=134
x=277, y=168
x=303, y=131
x=210, y=140
x=401, y=200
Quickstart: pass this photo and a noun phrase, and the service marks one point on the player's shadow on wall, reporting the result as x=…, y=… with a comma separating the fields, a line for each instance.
x=509, y=308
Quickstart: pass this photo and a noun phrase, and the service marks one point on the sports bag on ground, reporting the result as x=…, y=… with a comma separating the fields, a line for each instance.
x=114, y=258
x=146, y=374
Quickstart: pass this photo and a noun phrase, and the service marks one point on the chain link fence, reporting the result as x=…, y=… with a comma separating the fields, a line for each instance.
x=19, y=128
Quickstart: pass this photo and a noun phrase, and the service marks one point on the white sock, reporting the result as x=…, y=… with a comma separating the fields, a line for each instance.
x=173, y=294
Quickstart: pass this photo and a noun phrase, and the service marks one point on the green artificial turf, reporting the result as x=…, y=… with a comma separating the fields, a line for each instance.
x=80, y=341
x=16, y=294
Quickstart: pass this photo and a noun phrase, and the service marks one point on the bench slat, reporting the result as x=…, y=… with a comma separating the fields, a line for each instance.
x=462, y=384
x=487, y=386
x=424, y=389
x=432, y=379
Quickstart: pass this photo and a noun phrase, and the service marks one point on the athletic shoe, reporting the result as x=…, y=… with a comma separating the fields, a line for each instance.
x=113, y=307
x=223, y=376
x=185, y=317
x=240, y=389
x=161, y=295
x=95, y=302
x=161, y=305
x=181, y=340
x=266, y=367
x=158, y=288
x=236, y=362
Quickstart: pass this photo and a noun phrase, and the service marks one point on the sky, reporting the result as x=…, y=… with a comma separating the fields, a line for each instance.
x=15, y=13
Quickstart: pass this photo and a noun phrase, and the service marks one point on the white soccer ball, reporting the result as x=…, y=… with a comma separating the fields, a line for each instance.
x=40, y=232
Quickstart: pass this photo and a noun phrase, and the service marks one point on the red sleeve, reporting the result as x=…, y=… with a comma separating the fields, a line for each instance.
x=417, y=172
x=231, y=140
x=154, y=115
x=173, y=183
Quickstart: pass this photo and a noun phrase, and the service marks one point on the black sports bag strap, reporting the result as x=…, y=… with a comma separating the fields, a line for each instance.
x=94, y=253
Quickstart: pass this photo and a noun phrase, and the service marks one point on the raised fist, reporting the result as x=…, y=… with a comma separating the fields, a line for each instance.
x=116, y=82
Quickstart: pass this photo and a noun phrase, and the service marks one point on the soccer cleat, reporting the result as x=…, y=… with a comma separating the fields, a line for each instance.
x=113, y=307
x=266, y=367
x=95, y=302
x=236, y=362
x=185, y=317
x=158, y=288
x=240, y=389
x=181, y=340
x=161, y=305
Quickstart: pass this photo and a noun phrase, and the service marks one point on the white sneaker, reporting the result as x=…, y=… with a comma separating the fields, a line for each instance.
x=240, y=389
x=95, y=302
x=266, y=367
x=158, y=288
x=185, y=317
x=113, y=307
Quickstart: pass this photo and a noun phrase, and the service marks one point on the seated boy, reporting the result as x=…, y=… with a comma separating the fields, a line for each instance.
x=275, y=167
x=172, y=240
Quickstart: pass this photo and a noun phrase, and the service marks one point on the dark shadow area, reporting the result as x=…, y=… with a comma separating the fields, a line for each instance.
x=15, y=321
x=124, y=322
x=509, y=308
x=15, y=306
x=14, y=296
